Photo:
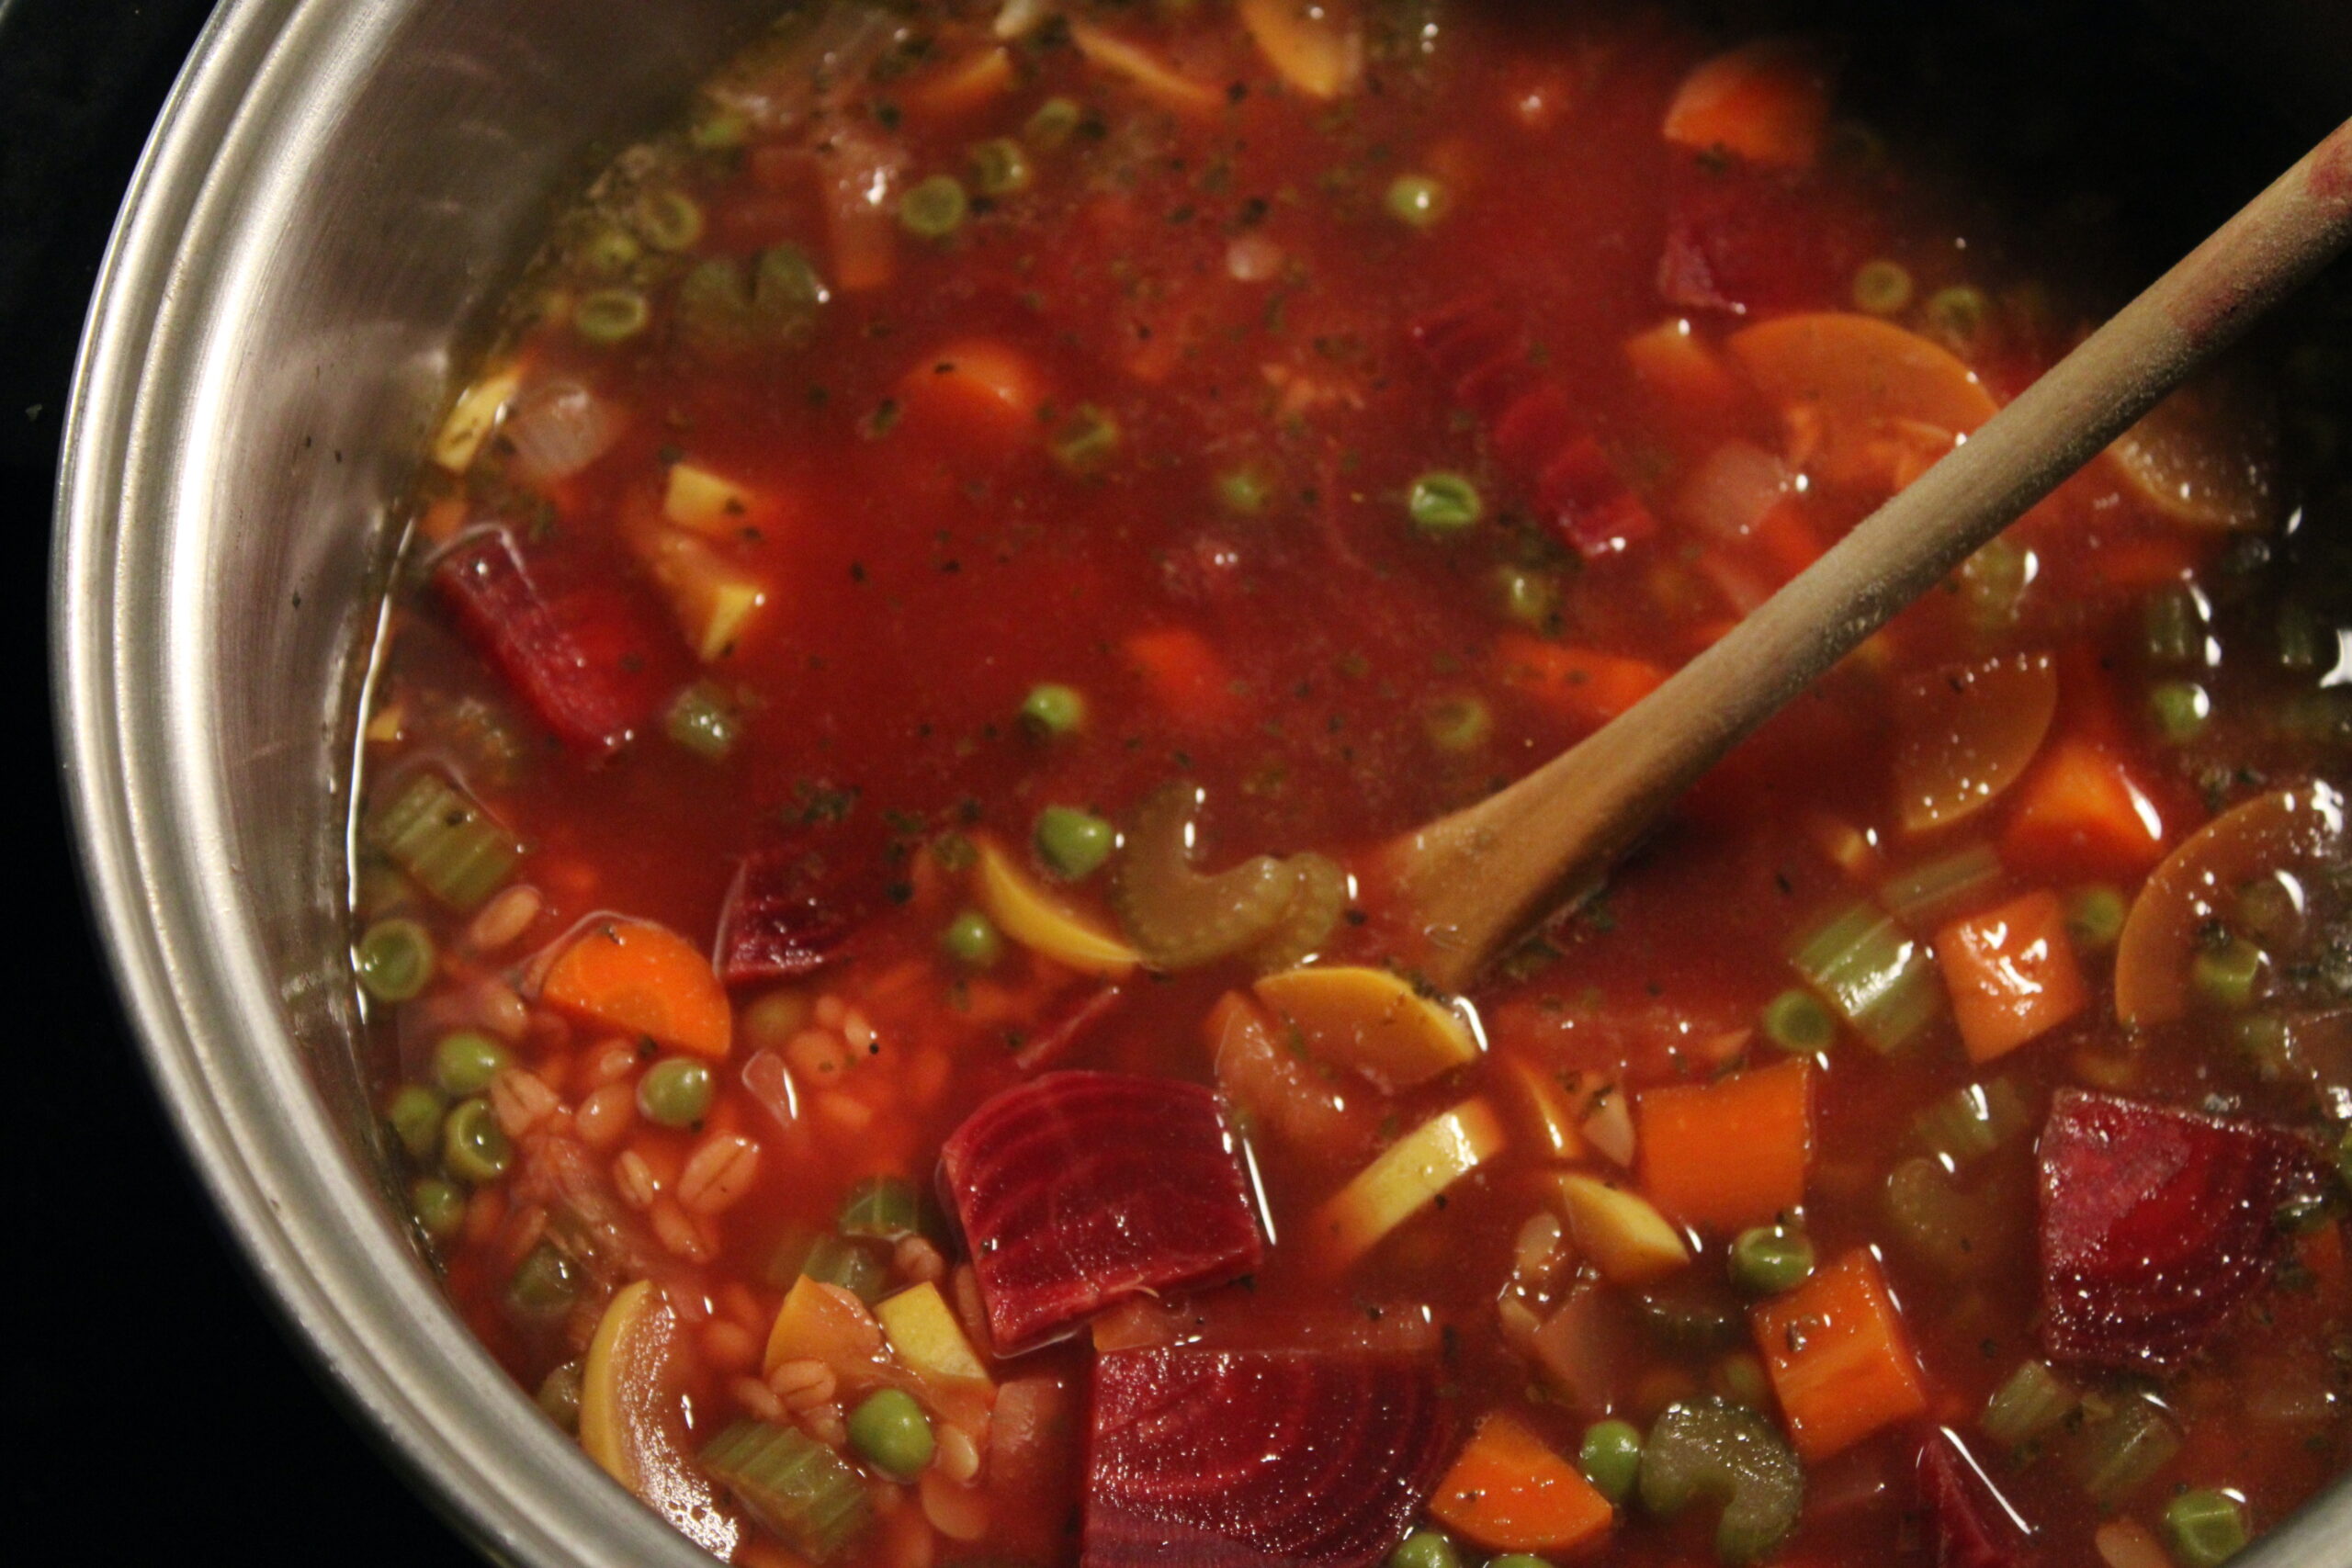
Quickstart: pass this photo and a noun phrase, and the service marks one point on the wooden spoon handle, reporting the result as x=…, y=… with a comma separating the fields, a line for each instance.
x=1475, y=879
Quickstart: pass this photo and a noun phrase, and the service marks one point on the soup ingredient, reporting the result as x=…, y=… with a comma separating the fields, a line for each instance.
x=1714, y=1451
x=1509, y=1490
x=444, y=840
x=1729, y=1154
x=1842, y=1365
x=1076, y=1191
x=2206, y=1527
x=1032, y=917
x=642, y=978
x=1968, y=733
x=1627, y=1239
x=1320, y=1458
x=791, y=909
x=1177, y=917
x=1410, y=1175
x=1371, y=1022
x=1074, y=844
x=793, y=1485
x=564, y=656
x=394, y=959
x=2011, y=972
x=1971, y=1524
x=889, y=1431
x=631, y=1423
x=1765, y=102
x=2155, y=1225
x=676, y=1092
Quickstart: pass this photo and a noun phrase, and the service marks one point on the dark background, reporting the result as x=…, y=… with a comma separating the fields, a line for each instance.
x=156, y=1411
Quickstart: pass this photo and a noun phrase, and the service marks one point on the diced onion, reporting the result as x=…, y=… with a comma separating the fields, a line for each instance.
x=1732, y=490
x=558, y=428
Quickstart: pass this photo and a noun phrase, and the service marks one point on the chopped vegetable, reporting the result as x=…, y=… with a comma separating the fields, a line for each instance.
x=1443, y=504
x=795, y=907
x=1958, y=884
x=1797, y=1022
x=1623, y=1236
x=1767, y=1260
x=631, y=1422
x=1318, y=1459
x=1871, y=390
x=1611, y=1458
x=444, y=840
x=2202, y=458
x=1883, y=288
x=1177, y=917
x=2030, y=1403
x=1767, y=102
x=642, y=978
x=1880, y=980
x=474, y=1149
x=883, y=1208
x=2012, y=974
x=823, y=1322
x=1841, y=1366
x=710, y=503
x=1417, y=201
x=1972, y=1525
x=1967, y=733
x=1185, y=675
x=414, y=1117
x=717, y=602
x=999, y=167
x=793, y=1485
x=2179, y=709
x=1582, y=685
x=1406, y=1177
x=972, y=940
x=2120, y=1447
x=1024, y=912
x=1144, y=71
x=701, y=720
x=934, y=208
x=1052, y=709
x=1317, y=47
x=891, y=1432
x=2081, y=809
x=1509, y=1491
x=394, y=959
x=1425, y=1549
x=473, y=416
x=1973, y=1122
x=1273, y=1088
x=1073, y=844
x=1316, y=906
x=676, y=1092
x=1371, y=1022
x=1723, y=1453
x=1076, y=1191
x=609, y=316
x=1732, y=1153
x=2206, y=1528
x=929, y=1341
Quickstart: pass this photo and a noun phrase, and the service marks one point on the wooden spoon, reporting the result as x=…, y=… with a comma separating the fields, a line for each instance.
x=1472, y=881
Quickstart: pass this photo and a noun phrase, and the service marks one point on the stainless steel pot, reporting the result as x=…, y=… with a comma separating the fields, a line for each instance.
x=336, y=194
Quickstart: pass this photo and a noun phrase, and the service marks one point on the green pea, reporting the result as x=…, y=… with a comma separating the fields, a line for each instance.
x=1768, y=1260
x=701, y=720
x=1458, y=724
x=439, y=1206
x=610, y=253
x=1958, y=315
x=890, y=1430
x=1425, y=1549
x=1416, y=200
x=1051, y=708
x=934, y=208
x=473, y=1147
x=972, y=940
x=1086, y=440
x=1882, y=287
x=2181, y=709
x=676, y=1091
x=465, y=1060
x=2227, y=976
x=1519, y=1560
x=2095, y=916
x=1740, y=1378
x=607, y=316
x=414, y=1117
x=546, y=1282
x=560, y=1395
x=1244, y=491
x=1530, y=598
x=999, y=167
x=1443, y=503
x=2206, y=1528
x=670, y=219
x=394, y=959
x=1055, y=121
x=1074, y=844
x=1611, y=1458
x=1798, y=1023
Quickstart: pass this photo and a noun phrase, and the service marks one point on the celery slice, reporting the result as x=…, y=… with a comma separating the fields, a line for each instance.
x=793, y=1485
x=444, y=842
x=1878, y=979
x=1927, y=896
x=1713, y=1450
x=2118, y=1451
x=857, y=1266
x=2032, y=1402
x=884, y=1208
x=1971, y=1123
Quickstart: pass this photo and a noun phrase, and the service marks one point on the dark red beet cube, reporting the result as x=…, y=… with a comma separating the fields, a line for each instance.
x=1970, y=1524
x=797, y=907
x=1078, y=1190
x=1199, y=1457
x=2155, y=1225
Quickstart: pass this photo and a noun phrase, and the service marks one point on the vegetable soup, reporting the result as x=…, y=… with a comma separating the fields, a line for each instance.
x=869, y=872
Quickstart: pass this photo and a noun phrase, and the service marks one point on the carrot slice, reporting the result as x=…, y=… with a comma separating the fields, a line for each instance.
x=2081, y=811
x=2012, y=974
x=641, y=978
x=1318, y=49
x=979, y=391
x=1842, y=1365
x=1728, y=1154
x=1865, y=392
x=1767, y=102
x=1673, y=361
x=1967, y=733
x=1186, y=676
x=1580, y=684
x=1509, y=1491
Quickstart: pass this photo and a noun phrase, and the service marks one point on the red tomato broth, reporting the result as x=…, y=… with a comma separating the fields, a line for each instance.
x=926, y=567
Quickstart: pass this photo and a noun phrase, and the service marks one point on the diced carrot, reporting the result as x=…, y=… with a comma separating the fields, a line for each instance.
x=1728, y=1154
x=2137, y=565
x=1842, y=1365
x=641, y=978
x=1186, y=676
x=961, y=86
x=2079, y=811
x=1765, y=101
x=1673, y=361
x=1859, y=394
x=1581, y=684
x=1509, y=1491
x=2012, y=974
x=975, y=390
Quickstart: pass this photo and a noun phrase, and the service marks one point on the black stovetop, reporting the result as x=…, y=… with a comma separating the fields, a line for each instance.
x=157, y=1413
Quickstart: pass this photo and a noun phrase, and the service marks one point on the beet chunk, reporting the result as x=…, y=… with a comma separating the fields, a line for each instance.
x=569, y=656
x=2155, y=1224
x=1970, y=1523
x=796, y=906
x=1236, y=1458
x=1077, y=1190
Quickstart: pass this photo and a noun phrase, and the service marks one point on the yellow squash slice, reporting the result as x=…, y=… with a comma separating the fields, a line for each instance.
x=632, y=1421
x=1371, y=1021
x=1406, y=1177
x=1032, y=917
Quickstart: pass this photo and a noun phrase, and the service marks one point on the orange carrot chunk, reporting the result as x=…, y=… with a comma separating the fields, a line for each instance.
x=1841, y=1366
x=1767, y=102
x=1580, y=684
x=1185, y=676
x=2012, y=974
x=1729, y=1154
x=2080, y=811
x=1510, y=1492
x=640, y=978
